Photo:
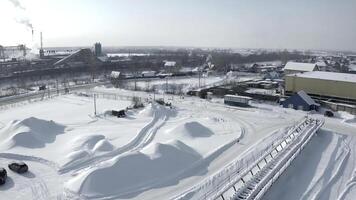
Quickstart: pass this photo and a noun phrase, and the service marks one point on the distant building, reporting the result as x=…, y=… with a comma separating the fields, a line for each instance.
x=326, y=86
x=295, y=67
x=98, y=49
x=352, y=68
x=116, y=78
x=170, y=64
x=301, y=101
x=80, y=58
x=148, y=73
x=115, y=74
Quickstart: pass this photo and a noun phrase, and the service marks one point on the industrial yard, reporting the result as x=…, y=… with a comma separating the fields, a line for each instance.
x=177, y=100
x=201, y=143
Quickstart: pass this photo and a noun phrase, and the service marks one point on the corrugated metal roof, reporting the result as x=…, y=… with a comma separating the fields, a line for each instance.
x=332, y=76
x=306, y=98
x=306, y=67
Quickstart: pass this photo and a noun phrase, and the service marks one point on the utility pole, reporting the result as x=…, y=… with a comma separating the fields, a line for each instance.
x=135, y=78
x=166, y=84
x=94, y=104
x=199, y=75
x=57, y=87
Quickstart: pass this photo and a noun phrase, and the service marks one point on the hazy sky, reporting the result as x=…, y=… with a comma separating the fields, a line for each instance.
x=292, y=24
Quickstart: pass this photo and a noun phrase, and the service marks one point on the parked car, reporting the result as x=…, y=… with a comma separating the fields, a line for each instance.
x=19, y=167
x=329, y=113
x=119, y=114
x=3, y=176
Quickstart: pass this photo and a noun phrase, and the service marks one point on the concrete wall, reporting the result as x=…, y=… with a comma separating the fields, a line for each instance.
x=321, y=87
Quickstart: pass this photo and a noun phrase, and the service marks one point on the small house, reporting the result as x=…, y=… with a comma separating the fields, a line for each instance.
x=301, y=101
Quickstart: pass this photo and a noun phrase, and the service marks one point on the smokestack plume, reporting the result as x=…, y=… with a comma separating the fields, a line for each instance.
x=25, y=22
x=17, y=4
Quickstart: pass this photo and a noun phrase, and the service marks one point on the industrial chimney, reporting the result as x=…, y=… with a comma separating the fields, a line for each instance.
x=41, y=49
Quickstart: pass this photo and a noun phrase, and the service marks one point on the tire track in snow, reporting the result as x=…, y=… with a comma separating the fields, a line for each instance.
x=352, y=180
x=39, y=190
x=29, y=158
x=142, y=139
x=332, y=171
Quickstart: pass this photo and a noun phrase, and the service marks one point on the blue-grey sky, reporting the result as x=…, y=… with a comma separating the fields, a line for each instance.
x=292, y=24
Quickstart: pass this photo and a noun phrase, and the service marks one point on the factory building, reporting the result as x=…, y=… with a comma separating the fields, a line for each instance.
x=323, y=86
x=295, y=67
x=82, y=57
x=98, y=49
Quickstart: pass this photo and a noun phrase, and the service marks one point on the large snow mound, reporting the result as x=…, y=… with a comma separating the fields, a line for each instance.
x=30, y=133
x=136, y=171
x=86, y=146
x=192, y=129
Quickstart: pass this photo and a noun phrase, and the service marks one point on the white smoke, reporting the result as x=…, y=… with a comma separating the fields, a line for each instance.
x=23, y=20
x=17, y=4
x=26, y=22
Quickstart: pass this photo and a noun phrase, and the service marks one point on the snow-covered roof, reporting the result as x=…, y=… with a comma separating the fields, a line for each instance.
x=332, y=76
x=352, y=67
x=115, y=74
x=170, y=64
x=238, y=96
x=67, y=58
x=306, y=67
x=307, y=98
x=321, y=64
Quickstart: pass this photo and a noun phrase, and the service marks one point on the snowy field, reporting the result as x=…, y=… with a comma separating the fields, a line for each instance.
x=184, y=84
x=155, y=152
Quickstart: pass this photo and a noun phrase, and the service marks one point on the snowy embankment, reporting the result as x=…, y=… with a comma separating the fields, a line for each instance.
x=324, y=170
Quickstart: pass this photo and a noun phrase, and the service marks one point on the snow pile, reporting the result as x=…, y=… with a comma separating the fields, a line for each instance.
x=192, y=130
x=347, y=117
x=135, y=171
x=30, y=133
x=86, y=146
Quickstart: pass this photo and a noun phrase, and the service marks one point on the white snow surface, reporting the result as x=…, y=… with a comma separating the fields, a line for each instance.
x=155, y=152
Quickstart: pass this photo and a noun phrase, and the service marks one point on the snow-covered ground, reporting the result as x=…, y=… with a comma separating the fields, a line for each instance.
x=184, y=84
x=155, y=152
x=326, y=168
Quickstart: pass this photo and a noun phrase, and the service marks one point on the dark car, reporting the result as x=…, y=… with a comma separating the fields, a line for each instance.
x=19, y=167
x=329, y=113
x=3, y=176
x=120, y=113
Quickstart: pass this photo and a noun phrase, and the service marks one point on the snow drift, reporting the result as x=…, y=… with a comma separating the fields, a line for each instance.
x=136, y=171
x=30, y=133
x=347, y=117
x=192, y=130
x=83, y=147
